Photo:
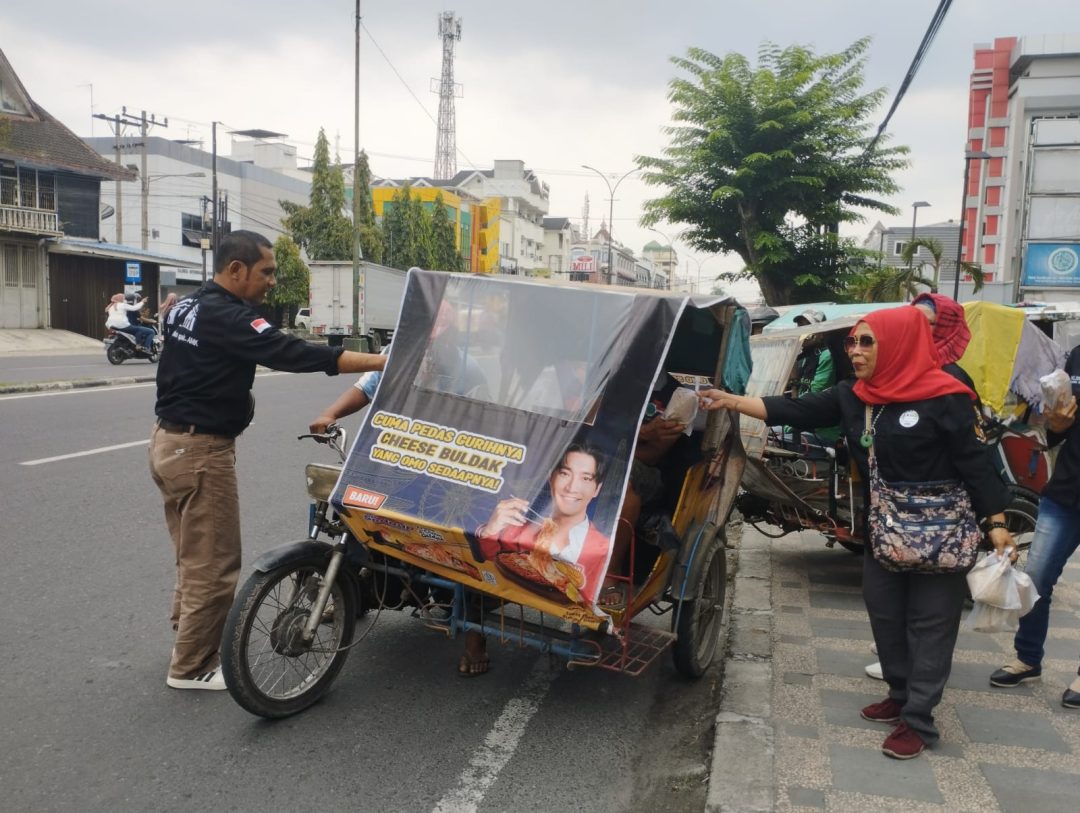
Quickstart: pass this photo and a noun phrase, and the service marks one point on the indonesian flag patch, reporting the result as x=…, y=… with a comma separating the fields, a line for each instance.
x=261, y=325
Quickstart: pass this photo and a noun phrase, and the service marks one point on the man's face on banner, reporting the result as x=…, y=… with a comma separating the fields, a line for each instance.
x=574, y=485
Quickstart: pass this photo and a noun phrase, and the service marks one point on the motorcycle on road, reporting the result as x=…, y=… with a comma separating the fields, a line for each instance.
x=121, y=346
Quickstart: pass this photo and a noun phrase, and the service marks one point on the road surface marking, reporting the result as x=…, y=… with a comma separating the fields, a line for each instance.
x=85, y=454
x=499, y=744
x=106, y=388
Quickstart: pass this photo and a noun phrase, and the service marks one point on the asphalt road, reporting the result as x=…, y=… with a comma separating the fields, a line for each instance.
x=88, y=723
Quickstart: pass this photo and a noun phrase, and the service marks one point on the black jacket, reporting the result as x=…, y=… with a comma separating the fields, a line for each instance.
x=213, y=342
x=915, y=442
x=1064, y=486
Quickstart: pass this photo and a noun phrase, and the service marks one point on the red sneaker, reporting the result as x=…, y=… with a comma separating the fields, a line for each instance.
x=903, y=743
x=887, y=711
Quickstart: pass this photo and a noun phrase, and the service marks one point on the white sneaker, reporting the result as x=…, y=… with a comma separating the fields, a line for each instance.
x=214, y=681
x=874, y=671
x=873, y=648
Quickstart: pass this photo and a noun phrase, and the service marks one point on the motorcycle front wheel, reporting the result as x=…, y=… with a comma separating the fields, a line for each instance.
x=268, y=666
x=115, y=354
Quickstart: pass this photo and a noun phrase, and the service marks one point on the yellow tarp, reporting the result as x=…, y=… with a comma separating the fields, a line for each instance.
x=995, y=337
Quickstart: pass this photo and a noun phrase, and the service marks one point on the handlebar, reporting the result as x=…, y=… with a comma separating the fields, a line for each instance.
x=335, y=437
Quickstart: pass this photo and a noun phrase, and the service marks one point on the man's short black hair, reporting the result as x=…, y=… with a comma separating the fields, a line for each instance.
x=245, y=246
x=586, y=449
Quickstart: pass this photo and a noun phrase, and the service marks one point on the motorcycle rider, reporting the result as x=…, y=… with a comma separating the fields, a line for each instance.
x=120, y=311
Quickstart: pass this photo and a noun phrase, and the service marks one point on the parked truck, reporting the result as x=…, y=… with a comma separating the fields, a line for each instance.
x=331, y=310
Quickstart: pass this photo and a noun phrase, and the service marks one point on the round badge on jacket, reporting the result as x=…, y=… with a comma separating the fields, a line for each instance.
x=909, y=418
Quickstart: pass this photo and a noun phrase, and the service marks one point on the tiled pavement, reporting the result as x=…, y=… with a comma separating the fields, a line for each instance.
x=798, y=621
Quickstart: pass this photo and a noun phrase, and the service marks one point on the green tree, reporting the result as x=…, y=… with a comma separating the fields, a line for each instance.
x=903, y=283
x=371, y=239
x=322, y=228
x=293, y=280
x=444, y=253
x=393, y=232
x=768, y=161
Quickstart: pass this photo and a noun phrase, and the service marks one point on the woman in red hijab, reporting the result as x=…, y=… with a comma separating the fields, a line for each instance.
x=922, y=429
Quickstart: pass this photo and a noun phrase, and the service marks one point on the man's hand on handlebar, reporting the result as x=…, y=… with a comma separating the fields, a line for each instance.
x=320, y=424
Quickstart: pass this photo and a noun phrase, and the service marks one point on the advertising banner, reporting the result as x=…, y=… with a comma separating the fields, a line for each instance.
x=1051, y=265
x=498, y=446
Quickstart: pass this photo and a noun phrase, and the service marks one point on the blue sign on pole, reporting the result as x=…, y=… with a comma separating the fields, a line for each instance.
x=134, y=272
x=1051, y=265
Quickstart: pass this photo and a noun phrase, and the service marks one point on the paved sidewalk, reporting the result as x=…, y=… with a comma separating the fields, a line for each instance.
x=45, y=341
x=789, y=736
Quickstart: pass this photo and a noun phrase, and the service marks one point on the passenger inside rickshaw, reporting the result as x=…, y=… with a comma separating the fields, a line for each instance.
x=820, y=444
x=667, y=446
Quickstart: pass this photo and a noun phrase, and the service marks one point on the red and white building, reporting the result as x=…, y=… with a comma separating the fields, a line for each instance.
x=1021, y=219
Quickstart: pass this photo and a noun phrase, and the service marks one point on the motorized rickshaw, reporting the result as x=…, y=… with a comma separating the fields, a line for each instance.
x=797, y=479
x=494, y=389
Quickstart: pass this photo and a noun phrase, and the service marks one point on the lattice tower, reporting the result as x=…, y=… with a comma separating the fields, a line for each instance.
x=445, y=142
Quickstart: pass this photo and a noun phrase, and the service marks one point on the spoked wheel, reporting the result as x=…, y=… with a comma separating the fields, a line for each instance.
x=115, y=355
x=270, y=669
x=699, y=622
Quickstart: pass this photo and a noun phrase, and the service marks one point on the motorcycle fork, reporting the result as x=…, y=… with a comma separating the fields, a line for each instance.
x=319, y=604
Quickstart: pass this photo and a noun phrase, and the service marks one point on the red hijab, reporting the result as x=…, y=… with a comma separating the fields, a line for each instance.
x=951, y=332
x=907, y=367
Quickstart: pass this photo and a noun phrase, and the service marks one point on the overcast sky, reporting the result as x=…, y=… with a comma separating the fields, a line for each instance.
x=557, y=84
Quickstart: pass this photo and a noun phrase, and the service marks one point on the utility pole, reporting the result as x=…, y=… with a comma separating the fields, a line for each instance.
x=144, y=124
x=215, y=232
x=358, y=326
x=117, y=128
x=202, y=239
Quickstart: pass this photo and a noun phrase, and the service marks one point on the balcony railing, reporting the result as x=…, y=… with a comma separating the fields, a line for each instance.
x=33, y=221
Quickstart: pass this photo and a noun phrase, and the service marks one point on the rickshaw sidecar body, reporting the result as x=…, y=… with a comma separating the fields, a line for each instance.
x=492, y=389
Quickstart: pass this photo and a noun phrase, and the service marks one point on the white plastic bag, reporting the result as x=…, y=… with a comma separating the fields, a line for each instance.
x=682, y=407
x=1002, y=594
x=1056, y=389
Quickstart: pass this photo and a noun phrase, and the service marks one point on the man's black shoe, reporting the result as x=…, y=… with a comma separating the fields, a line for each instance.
x=1013, y=674
x=1071, y=699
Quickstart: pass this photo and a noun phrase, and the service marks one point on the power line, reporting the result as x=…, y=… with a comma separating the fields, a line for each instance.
x=913, y=69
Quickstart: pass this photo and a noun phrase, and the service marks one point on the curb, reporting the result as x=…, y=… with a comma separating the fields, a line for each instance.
x=85, y=383
x=742, y=771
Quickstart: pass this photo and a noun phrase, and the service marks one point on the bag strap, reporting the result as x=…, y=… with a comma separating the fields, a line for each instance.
x=868, y=431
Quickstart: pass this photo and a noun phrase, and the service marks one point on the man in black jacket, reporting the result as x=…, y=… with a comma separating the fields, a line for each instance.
x=1057, y=535
x=214, y=340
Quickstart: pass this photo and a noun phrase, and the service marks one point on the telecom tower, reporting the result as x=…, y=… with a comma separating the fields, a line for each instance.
x=445, y=144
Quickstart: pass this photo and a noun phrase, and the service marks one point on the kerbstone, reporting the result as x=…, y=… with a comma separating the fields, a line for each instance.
x=747, y=688
x=750, y=635
x=752, y=594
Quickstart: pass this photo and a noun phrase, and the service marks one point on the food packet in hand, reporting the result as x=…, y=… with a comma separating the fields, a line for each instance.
x=682, y=407
x=1056, y=389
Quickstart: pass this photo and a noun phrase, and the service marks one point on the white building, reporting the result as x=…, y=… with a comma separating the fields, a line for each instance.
x=559, y=237
x=524, y=203
x=179, y=200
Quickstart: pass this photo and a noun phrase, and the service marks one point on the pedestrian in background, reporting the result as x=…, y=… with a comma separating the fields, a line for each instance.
x=213, y=343
x=1057, y=535
x=922, y=430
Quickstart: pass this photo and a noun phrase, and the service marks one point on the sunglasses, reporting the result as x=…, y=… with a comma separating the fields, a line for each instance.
x=864, y=341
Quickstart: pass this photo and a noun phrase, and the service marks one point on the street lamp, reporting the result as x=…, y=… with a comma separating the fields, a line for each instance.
x=611, y=214
x=969, y=156
x=914, y=214
x=146, y=179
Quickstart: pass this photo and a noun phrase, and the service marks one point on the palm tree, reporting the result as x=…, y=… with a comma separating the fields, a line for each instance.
x=936, y=251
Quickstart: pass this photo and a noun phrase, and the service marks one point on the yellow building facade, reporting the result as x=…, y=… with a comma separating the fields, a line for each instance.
x=476, y=222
